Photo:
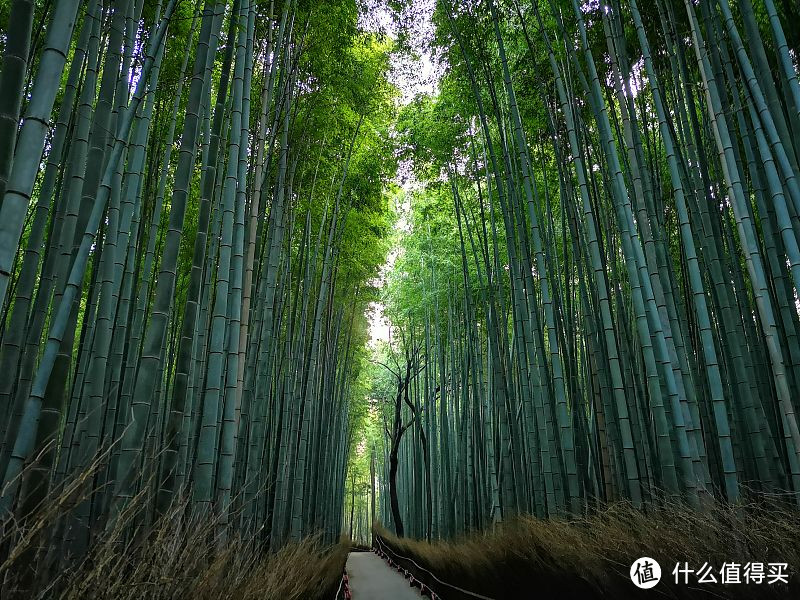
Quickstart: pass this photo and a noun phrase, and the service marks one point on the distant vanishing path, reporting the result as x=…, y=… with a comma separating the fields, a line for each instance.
x=372, y=579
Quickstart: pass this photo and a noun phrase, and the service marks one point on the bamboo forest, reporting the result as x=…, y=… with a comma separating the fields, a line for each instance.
x=488, y=297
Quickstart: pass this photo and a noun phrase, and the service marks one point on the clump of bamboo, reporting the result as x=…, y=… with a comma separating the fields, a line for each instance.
x=596, y=292
x=182, y=298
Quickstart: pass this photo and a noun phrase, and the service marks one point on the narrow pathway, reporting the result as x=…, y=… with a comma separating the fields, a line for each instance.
x=372, y=579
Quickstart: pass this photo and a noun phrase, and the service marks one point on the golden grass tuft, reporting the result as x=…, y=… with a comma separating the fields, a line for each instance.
x=171, y=558
x=182, y=561
x=184, y=565
x=590, y=557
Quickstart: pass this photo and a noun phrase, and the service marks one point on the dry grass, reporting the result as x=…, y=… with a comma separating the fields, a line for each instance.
x=181, y=561
x=591, y=557
x=174, y=558
x=184, y=565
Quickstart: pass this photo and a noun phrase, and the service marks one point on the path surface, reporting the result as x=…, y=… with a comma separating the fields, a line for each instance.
x=372, y=579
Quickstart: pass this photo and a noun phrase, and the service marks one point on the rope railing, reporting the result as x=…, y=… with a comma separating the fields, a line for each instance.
x=386, y=549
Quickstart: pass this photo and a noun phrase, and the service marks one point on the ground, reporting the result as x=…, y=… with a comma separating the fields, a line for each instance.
x=372, y=579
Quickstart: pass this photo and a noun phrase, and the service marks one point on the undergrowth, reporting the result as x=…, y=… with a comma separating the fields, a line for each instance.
x=591, y=557
x=169, y=558
x=177, y=562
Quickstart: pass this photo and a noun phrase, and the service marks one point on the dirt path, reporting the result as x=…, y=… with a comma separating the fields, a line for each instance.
x=372, y=579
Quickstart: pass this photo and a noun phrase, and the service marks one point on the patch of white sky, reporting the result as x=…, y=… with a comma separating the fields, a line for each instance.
x=414, y=73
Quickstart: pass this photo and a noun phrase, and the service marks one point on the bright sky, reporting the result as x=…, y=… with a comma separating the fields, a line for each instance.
x=409, y=75
x=412, y=76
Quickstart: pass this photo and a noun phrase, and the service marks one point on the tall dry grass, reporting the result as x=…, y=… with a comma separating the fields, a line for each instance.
x=591, y=557
x=182, y=564
x=169, y=558
x=180, y=560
